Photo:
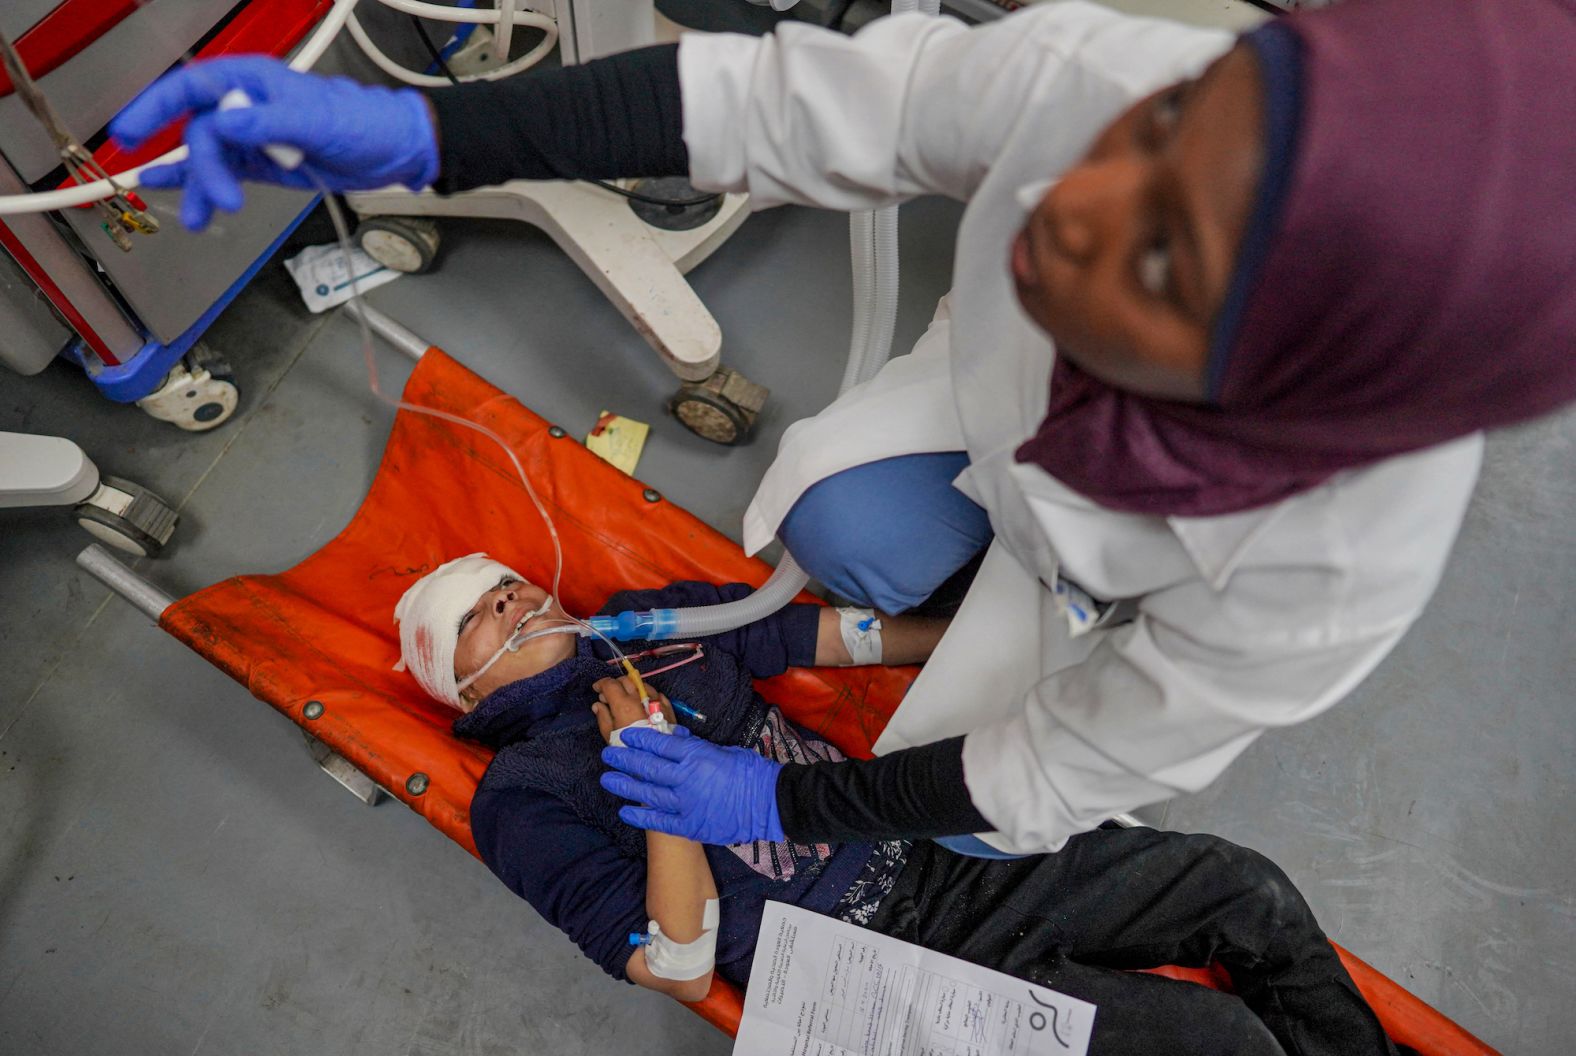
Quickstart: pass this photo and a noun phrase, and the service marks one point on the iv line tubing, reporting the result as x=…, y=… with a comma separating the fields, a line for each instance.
x=336, y=215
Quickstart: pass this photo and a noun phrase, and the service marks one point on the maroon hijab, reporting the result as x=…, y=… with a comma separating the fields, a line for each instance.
x=1408, y=275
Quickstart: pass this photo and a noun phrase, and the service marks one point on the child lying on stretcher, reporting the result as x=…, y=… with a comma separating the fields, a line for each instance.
x=1075, y=921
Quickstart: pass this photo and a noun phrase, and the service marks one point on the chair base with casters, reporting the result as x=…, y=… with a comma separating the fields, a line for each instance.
x=300, y=640
x=53, y=471
x=624, y=247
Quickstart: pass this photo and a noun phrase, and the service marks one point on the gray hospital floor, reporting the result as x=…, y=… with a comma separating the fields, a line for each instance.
x=177, y=877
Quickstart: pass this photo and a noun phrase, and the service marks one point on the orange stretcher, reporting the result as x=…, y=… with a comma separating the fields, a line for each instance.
x=302, y=640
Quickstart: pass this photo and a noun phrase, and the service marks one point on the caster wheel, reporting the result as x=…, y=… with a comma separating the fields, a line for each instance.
x=198, y=394
x=722, y=409
x=700, y=211
x=403, y=243
x=128, y=517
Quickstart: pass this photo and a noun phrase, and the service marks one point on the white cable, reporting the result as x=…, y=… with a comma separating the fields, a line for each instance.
x=423, y=80
x=338, y=18
x=504, y=37
x=483, y=16
x=71, y=197
x=317, y=44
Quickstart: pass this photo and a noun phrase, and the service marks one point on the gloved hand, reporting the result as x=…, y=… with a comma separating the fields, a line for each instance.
x=693, y=788
x=353, y=136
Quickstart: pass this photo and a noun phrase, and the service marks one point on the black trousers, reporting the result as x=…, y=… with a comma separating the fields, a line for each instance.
x=1118, y=899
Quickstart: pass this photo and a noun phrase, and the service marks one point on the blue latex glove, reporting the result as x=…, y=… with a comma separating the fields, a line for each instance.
x=353, y=136
x=693, y=788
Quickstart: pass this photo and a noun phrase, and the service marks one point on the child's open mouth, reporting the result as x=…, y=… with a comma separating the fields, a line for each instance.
x=519, y=627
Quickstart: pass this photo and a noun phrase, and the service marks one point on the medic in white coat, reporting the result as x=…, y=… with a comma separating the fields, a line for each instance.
x=1210, y=351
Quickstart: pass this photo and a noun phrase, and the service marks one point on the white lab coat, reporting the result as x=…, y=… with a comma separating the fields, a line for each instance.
x=1243, y=622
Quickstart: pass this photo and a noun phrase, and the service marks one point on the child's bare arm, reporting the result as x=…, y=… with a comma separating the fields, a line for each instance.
x=678, y=878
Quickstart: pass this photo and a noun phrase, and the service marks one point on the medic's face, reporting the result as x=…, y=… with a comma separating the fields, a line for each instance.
x=491, y=622
x=1126, y=260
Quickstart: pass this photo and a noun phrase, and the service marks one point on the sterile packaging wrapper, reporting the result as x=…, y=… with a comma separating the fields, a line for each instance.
x=320, y=273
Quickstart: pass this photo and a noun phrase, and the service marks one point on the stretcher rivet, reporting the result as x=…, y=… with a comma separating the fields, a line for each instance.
x=556, y=433
x=651, y=495
x=313, y=709
x=416, y=784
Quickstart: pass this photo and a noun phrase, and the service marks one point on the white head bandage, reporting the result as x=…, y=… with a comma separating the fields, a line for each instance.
x=682, y=961
x=861, y=630
x=429, y=619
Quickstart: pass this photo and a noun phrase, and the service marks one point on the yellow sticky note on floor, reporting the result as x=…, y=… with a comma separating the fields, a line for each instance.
x=618, y=440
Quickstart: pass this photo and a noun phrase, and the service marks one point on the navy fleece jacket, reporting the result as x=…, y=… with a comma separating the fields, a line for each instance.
x=547, y=828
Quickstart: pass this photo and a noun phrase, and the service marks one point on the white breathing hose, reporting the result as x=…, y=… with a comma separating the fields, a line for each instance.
x=861, y=250
x=873, y=250
x=341, y=16
x=784, y=584
x=873, y=241
x=873, y=253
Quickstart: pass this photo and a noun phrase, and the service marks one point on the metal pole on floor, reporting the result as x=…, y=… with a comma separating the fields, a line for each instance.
x=403, y=339
x=109, y=571
x=152, y=601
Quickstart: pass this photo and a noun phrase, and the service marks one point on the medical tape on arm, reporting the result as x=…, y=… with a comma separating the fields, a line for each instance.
x=683, y=961
x=861, y=636
x=616, y=741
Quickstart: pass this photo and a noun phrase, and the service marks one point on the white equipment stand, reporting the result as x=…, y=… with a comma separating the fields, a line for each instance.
x=638, y=263
x=52, y=471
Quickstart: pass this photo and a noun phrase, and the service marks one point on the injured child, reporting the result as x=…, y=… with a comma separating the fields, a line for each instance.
x=665, y=912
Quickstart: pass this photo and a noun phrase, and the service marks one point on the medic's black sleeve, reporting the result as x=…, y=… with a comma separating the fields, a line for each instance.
x=612, y=117
x=917, y=792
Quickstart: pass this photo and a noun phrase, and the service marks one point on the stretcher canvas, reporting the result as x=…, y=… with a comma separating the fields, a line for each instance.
x=305, y=634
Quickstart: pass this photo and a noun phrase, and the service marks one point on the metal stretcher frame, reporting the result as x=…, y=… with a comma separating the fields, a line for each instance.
x=300, y=641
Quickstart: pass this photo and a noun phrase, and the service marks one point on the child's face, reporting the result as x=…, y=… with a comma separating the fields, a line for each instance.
x=491, y=622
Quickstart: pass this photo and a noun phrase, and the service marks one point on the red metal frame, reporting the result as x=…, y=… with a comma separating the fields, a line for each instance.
x=65, y=31
x=268, y=27
x=265, y=26
x=56, y=295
